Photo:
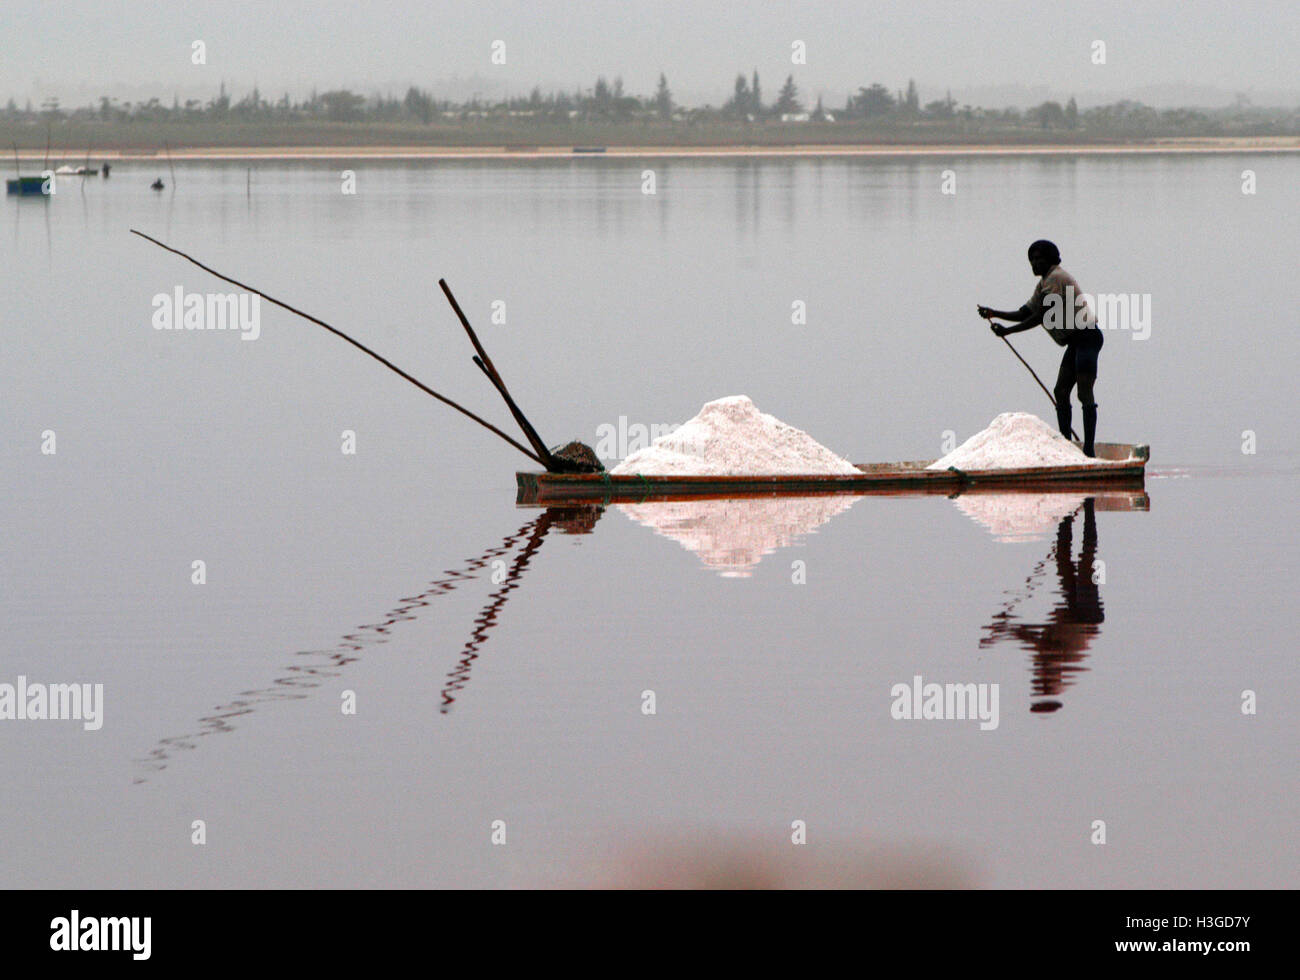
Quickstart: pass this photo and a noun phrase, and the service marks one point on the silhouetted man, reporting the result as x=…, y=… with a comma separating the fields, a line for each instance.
x=1058, y=304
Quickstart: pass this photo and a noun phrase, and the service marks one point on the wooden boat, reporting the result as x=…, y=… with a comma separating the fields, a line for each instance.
x=1118, y=465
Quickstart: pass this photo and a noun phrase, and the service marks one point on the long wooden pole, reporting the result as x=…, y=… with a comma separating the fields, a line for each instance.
x=342, y=336
x=1050, y=396
x=499, y=385
x=490, y=370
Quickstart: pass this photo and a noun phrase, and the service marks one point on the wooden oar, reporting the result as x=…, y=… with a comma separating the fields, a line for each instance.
x=485, y=363
x=1049, y=395
x=342, y=336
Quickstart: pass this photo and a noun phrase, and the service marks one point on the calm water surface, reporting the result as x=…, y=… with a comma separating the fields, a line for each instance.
x=498, y=654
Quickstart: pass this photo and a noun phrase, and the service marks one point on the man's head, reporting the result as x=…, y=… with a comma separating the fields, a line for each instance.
x=1042, y=256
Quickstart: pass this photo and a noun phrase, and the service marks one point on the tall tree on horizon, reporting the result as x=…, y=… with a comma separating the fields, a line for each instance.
x=663, y=101
x=740, y=99
x=787, y=102
x=873, y=101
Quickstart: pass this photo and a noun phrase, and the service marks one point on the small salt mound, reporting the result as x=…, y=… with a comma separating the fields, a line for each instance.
x=731, y=437
x=1013, y=440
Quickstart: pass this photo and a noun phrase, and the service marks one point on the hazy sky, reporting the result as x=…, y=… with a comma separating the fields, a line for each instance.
x=131, y=48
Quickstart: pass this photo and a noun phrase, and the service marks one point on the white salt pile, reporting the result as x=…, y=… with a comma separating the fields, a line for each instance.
x=1013, y=440
x=731, y=536
x=731, y=437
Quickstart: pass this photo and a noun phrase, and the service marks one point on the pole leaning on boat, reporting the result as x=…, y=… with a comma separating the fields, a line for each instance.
x=357, y=344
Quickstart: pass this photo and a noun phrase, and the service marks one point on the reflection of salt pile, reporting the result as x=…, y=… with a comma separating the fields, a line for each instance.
x=732, y=535
x=1016, y=517
x=731, y=437
x=1012, y=440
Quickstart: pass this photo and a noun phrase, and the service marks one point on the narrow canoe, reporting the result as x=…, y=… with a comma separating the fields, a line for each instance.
x=1118, y=466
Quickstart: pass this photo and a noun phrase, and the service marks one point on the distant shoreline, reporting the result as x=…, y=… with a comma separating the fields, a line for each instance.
x=1187, y=145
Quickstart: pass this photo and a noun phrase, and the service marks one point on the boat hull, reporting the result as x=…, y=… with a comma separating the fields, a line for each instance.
x=1118, y=466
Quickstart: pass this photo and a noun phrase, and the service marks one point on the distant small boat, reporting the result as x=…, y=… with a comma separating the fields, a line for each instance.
x=157, y=184
x=68, y=170
x=25, y=186
x=588, y=149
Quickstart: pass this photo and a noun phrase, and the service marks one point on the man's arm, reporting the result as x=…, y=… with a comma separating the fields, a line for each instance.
x=1023, y=318
x=1028, y=323
x=988, y=313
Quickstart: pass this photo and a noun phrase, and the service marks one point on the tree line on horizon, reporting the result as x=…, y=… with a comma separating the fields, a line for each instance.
x=607, y=101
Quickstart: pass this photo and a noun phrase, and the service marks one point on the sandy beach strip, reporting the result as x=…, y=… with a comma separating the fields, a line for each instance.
x=289, y=153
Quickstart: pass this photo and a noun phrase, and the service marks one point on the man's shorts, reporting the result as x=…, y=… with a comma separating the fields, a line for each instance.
x=1085, y=354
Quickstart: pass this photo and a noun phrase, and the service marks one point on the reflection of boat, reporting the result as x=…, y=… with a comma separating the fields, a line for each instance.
x=1013, y=516
x=731, y=536
x=1117, y=465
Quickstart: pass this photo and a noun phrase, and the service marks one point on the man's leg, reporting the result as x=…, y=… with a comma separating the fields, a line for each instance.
x=1086, y=375
x=1065, y=379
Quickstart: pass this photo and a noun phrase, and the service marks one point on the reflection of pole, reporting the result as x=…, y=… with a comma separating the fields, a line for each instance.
x=459, y=677
x=170, y=166
x=295, y=680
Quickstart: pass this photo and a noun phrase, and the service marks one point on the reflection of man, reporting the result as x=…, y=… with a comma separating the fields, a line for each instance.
x=1059, y=645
